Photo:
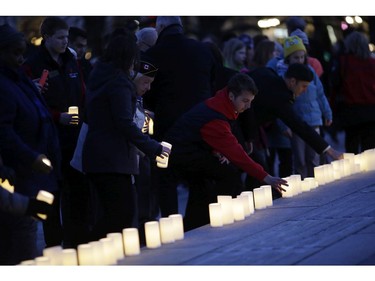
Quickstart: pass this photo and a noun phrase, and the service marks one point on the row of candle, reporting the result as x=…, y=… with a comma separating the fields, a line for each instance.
x=115, y=246
x=349, y=165
x=228, y=209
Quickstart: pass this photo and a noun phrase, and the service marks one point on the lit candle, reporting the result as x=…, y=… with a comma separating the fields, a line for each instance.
x=288, y=189
x=28, y=262
x=319, y=175
x=152, y=233
x=73, y=110
x=216, y=214
x=45, y=197
x=250, y=196
x=69, y=257
x=238, y=210
x=46, y=161
x=5, y=184
x=110, y=254
x=268, y=194
x=85, y=254
x=97, y=253
x=350, y=157
x=54, y=253
x=42, y=261
x=118, y=244
x=166, y=230
x=245, y=203
x=151, y=126
x=259, y=198
x=178, y=226
x=227, y=208
x=163, y=162
x=131, y=241
x=296, y=182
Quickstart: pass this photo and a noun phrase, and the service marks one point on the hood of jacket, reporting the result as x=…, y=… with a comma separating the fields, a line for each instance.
x=221, y=103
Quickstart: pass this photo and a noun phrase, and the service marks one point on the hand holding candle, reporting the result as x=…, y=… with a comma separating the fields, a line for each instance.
x=45, y=197
x=42, y=164
x=162, y=161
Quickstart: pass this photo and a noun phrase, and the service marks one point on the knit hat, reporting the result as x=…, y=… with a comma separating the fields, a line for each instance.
x=293, y=44
x=298, y=32
x=294, y=22
x=9, y=35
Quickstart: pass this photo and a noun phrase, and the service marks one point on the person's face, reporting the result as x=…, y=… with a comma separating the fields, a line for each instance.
x=297, y=57
x=240, y=56
x=58, y=42
x=79, y=45
x=242, y=102
x=143, y=84
x=297, y=87
x=13, y=56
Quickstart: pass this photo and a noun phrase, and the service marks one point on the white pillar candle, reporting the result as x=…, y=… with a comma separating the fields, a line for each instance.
x=85, y=255
x=118, y=244
x=296, y=181
x=98, y=257
x=54, y=253
x=178, y=226
x=42, y=261
x=358, y=161
x=238, y=210
x=152, y=233
x=69, y=257
x=227, y=208
x=259, y=198
x=131, y=241
x=216, y=214
x=268, y=194
x=288, y=189
x=350, y=157
x=28, y=262
x=250, y=196
x=370, y=159
x=245, y=203
x=73, y=110
x=319, y=175
x=46, y=197
x=110, y=254
x=163, y=162
x=166, y=230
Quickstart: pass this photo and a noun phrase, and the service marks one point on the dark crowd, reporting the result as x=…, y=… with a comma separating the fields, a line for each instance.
x=113, y=138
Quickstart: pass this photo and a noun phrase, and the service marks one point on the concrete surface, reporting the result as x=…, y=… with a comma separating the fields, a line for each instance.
x=331, y=225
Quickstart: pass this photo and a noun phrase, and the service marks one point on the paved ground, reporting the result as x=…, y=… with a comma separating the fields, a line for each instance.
x=331, y=225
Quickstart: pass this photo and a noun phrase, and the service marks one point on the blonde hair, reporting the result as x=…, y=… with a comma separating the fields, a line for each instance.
x=229, y=52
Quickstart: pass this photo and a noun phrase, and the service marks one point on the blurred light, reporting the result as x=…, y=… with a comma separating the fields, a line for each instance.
x=344, y=26
x=36, y=41
x=268, y=23
x=331, y=34
x=349, y=20
x=88, y=55
x=358, y=19
x=371, y=47
x=280, y=33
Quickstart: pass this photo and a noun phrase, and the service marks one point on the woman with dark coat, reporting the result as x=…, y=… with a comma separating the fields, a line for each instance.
x=110, y=149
